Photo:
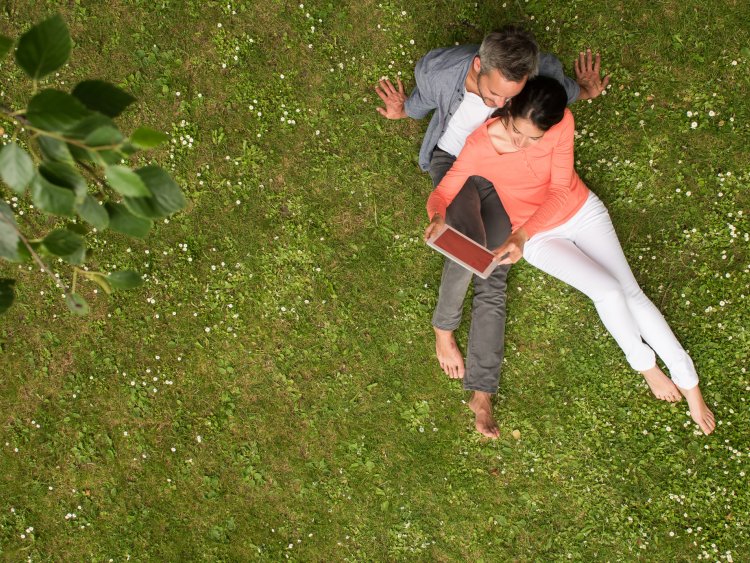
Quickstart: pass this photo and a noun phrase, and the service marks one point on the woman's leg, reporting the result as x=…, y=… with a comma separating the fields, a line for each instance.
x=596, y=237
x=561, y=258
x=596, y=265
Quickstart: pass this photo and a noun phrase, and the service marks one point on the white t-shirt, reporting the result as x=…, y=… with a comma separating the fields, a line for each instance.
x=470, y=114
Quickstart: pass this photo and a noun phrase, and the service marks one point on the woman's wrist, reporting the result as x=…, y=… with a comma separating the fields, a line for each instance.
x=522, y=235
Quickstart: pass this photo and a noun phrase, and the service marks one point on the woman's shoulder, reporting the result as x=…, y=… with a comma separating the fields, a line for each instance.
x=567, y=123
x=567, y=119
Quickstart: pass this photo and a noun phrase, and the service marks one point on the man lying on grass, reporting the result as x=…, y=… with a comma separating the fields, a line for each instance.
x=463, y=85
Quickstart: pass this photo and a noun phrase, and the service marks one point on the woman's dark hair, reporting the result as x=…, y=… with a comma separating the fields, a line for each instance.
x=542, y=101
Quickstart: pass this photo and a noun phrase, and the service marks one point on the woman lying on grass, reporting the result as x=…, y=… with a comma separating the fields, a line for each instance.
x=562, y=228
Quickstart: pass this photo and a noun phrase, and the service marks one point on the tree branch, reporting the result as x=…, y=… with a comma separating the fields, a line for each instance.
x=16, y=116
x=36, y=257
x=92, y=174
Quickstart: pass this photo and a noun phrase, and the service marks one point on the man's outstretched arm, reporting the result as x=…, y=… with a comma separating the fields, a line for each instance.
x=416, y=105
x=588, y=75
x=393, y=99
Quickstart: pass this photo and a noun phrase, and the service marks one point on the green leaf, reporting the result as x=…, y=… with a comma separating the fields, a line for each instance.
x=93, y=213
x=53, y=110
x=89, y=125
x=103, y=97
x=23, y=253
x=125, y=181
x=126, y=279
x=51, y=198
x=100, y=280
x=7, y=295
x=98, y=157
x=44, y=48
x=745, y=52
x=167, y=197
x=109, y=157
x=78, y=228
x=9, y=239
x=77, y=304
x=147, y=138
x=123, y=221
x=16, y=167
x=66, y=176
x=83, y=155
x=5, y=44
x=127, y=148
x=104, y=136
x=66, y=244
x=54, y=149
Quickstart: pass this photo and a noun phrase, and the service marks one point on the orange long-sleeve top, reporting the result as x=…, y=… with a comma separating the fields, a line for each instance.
x=538, y=186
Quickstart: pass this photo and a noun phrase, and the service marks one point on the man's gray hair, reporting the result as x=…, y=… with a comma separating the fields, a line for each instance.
x=512, y=51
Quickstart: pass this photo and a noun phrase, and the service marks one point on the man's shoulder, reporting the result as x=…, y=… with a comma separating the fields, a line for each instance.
x=549, y=64
x=447, y=59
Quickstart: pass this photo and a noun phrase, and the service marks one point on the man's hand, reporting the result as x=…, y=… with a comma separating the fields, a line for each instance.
x=587, y=75
x=435, y=225
x=511, y=251
x=393, y=99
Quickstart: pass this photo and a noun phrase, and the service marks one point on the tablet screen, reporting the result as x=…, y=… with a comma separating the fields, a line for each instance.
x=466, y=250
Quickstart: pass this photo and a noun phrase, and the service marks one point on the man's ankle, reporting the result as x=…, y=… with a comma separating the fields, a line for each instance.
x=481, y=397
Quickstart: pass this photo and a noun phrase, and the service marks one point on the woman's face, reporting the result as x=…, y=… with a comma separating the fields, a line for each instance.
x=523, y=133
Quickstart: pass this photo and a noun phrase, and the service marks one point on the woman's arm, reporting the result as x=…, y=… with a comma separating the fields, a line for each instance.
x=562, y=176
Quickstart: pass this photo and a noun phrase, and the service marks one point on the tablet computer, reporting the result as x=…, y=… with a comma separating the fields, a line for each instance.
x=461, y=249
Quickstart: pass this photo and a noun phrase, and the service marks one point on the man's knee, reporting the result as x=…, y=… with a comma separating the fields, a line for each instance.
x=493, y=289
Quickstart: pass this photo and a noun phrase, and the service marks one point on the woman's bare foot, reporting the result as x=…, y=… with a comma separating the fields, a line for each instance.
x=699, y=411
x=661, y=386
x=448, y=354
x=481, y=404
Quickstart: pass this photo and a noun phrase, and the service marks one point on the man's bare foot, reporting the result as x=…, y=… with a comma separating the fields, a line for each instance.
x=448, y=354
x=481, y=404
x=699, y=411
x=661, y=386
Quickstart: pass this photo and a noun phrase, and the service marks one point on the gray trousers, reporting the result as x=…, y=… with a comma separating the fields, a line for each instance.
x=478, y=213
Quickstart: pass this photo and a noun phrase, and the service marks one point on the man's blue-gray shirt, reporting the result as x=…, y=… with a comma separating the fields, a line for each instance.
x=440, y=77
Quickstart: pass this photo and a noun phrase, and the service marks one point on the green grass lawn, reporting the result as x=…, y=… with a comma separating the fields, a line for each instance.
x=271, y=391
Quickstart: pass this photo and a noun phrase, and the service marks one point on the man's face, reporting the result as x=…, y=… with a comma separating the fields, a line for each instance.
x=495, y=90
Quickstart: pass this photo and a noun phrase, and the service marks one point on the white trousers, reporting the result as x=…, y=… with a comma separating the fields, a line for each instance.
x=585, y=253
